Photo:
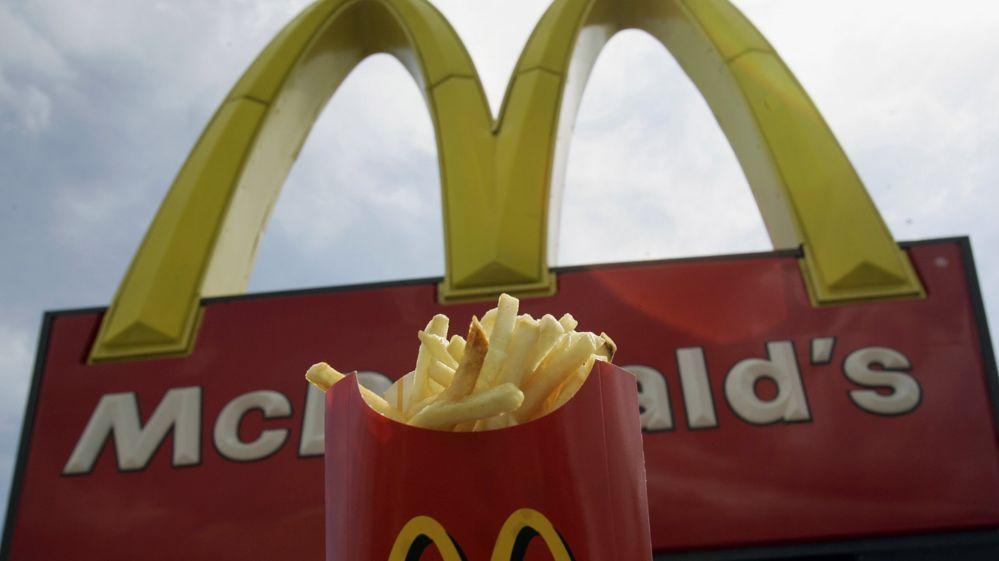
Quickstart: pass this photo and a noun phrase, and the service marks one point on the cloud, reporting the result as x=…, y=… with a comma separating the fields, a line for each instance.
x=362, y=201
x=32, y=108
x=25, y=48
x=26, y=57
x=650, y=174
x=16, y=349
x=105, y=101
x=669, y=197
x=83, y=211
x=99, y=104
x=907, y=90
x=494, y=31
x=369, y=168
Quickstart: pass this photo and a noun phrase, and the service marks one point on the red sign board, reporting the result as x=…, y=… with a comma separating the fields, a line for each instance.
x=768, y=421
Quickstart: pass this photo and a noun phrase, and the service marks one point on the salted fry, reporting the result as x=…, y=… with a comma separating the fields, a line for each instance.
x=437, y=326
x=395, y=394
x=418, y=407
x=501, y=421
x=456, y=347
x=525, y=335
x=570, y=386
x=498, y=341
x=488, y=320
x=323, y=376
x=552, y=372
x=440, y=377
x=509, y=369
x=607, y=348
x=438, y=348
x=548, y=336
x=441, y=374
x=568, y=322
x=504, y=398
x=471, y=363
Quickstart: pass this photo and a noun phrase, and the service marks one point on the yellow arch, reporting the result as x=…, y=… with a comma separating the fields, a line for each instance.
x=418, y=534
x=808, y=192
x=495, y=175
x=520, y=529
x=203, y=239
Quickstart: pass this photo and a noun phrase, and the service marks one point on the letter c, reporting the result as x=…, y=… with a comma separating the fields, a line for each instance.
x=272, y=404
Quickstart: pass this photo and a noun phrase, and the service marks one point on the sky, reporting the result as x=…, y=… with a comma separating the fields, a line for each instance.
x=100, y=102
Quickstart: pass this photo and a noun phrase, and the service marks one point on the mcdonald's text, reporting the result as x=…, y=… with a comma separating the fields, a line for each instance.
x=758, y=390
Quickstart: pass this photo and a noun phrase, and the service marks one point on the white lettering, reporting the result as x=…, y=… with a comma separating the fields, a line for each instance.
x=788, y=405
x=696, y=390
x=905, y=391
x=272, y=404
x=313, y=431
x=118, y=414
x=653, y=398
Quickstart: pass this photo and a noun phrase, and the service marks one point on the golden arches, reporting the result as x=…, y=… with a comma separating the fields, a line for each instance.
x=204, y=237
x=496, y=175
x=420, y=533
x=517, y=532
x=520, y=529
x=807, y=191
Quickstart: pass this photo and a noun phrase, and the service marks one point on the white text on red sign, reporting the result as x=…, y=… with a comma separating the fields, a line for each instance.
x=884, y=386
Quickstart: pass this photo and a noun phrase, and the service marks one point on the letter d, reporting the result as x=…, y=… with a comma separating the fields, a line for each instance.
x=781, y=366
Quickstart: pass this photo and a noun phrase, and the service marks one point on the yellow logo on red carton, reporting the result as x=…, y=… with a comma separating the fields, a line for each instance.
x=519, y=530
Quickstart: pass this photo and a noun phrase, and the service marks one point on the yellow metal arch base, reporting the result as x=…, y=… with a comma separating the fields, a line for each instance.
x=497, y=177
x=447, y=293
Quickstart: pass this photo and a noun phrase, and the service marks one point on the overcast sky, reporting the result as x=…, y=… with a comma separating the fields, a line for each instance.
x=100, y=102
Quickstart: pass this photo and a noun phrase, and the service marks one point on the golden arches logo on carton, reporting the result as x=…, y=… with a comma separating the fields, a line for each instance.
x=519, y=530
x=500, y=177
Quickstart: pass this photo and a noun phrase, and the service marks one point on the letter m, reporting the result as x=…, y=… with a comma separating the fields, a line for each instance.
x=118, y=414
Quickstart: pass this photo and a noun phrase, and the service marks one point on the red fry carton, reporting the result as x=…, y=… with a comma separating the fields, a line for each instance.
x=570, y=485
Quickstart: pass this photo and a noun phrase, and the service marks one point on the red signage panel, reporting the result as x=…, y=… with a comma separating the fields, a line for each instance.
x=768, y=420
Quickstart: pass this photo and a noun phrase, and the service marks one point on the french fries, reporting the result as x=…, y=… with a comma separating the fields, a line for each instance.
x=323, y=376
x=509, y=369
x=442, y=414
x=472, y=359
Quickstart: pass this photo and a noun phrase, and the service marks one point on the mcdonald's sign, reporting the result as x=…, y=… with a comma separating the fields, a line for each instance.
x=829, y=396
